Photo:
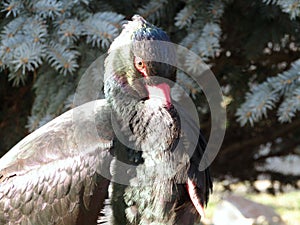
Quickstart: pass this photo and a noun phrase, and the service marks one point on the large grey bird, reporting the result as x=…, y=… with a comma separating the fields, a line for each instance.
x=60, y=173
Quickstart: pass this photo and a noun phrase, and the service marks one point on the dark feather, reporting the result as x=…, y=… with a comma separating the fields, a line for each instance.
x=53, y=175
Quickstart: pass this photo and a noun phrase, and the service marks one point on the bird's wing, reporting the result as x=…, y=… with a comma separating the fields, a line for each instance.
x=53, y=176
x=199, y=183
x=193, y=142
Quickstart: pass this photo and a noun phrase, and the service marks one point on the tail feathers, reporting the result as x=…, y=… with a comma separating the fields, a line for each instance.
x=186, y=214
x=105, y=217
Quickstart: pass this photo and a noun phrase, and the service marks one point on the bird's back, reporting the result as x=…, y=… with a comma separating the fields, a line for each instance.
x=53, y=175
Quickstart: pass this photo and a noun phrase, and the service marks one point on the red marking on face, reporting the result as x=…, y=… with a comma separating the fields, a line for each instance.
x=159, y=91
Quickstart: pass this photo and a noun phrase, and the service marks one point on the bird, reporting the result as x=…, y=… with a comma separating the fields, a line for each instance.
x=60, y=173
x=185, y=189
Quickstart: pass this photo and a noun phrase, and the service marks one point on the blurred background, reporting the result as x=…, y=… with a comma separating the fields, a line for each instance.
x=252, y=47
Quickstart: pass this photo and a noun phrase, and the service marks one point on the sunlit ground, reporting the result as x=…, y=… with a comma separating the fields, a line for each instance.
x=287, y=205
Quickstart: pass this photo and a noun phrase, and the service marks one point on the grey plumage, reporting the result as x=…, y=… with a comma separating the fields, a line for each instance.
x=47, y=179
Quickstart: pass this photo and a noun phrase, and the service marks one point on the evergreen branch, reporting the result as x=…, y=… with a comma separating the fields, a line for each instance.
x=41, y=102
x=207, y=45
x=203, y=38
x=152, y=9
x=273, y=2
x=67, y=6
x=21, y=47
x=69, y=31
x=47, y=118
x=216, y=9
x=51, y=91
x=288, y=108
x=62, y=58
x=13, y=7
x=200, y=13
x=58, y=98
x=185, y=16
x=260, y=99
x=286, y=81
x=111, y=18
x=28, y=56
x=48, y=8
x=189, y=40
x=264, y=96
x=35, y=30
x=13, y=28
x=187, y=84
x=102, y=28
x=194, y=64
x=177, y=91
x=291, y=7
x=69, y=102
x=87, y=2
x=30, y=29
x=6, y=51
x=17, y=77
x=211, y=30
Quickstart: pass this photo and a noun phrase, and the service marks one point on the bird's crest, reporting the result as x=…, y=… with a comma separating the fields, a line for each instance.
x=138, y=30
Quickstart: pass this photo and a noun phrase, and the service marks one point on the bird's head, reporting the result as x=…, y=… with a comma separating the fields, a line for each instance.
x=138, y=60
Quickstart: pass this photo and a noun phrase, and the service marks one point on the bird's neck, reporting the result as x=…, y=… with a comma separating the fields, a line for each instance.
x=120, y=96
x=143, y=120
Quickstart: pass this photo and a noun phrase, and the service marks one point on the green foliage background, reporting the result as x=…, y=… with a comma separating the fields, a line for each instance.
x=251, y=46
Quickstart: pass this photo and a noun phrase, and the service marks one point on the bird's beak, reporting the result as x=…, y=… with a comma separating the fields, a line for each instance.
x=160, y=92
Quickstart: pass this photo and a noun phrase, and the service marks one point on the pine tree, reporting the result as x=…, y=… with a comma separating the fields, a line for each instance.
x=46, y=39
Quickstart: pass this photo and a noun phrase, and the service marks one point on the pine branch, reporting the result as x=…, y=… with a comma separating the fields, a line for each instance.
x=21, y=46
x=208, y=44
x=48, y=8
x=260, y=99
x=189, y=40
x=13, y=28
x=52, y=91
x=17, y=78
x=35, y=30
x=69, y=31
x=203, y=29
x=28, y=56
x=201, y=20
x=264, y=96
x=62, y=58
x=291, y=7
x=286, y=82
x=13, y=7
x=185, y=16
x=102, y=28
x=152, y=10
x=195, y=65
x=288, y=108
x=187, y=84
x=216, y=10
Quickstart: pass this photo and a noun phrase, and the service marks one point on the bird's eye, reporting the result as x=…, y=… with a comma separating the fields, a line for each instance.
x=139, y=63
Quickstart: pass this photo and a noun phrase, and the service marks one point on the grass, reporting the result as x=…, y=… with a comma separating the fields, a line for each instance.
x=287, y=205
